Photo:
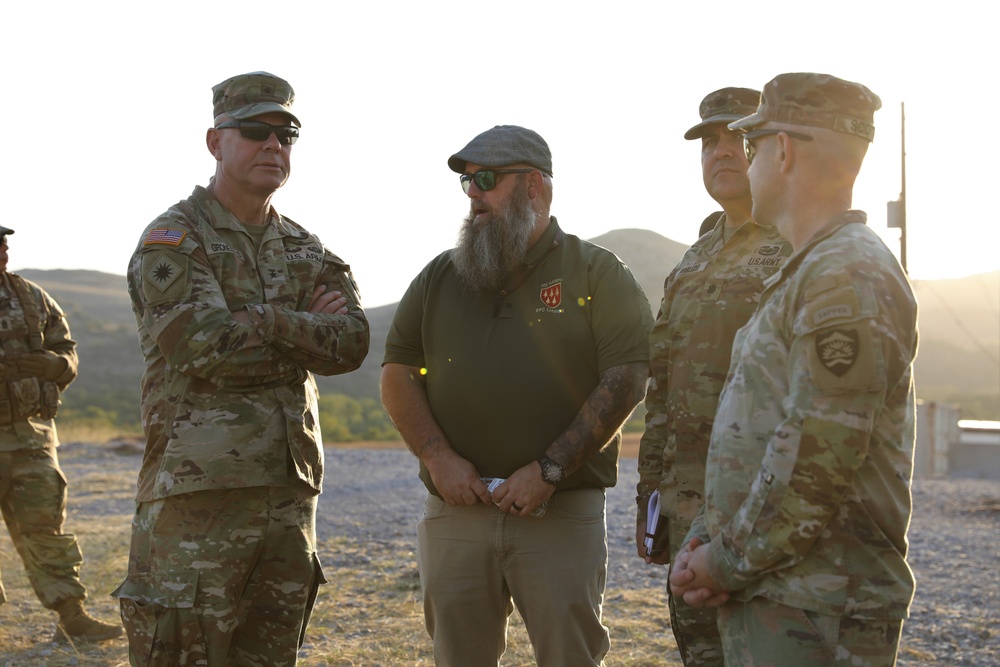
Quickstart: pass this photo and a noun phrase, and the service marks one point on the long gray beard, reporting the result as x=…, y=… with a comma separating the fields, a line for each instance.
x=488, y=252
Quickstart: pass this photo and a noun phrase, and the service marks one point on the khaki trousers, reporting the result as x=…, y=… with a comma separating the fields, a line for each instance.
x=476, y=562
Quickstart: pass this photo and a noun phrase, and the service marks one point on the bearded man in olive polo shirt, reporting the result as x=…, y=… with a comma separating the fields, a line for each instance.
x=516, y=356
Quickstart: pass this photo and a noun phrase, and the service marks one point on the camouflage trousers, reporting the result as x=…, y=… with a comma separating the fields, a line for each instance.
x=33, y=503
x=695, y=630
x=765, y=633
x=224, y=577
x=697, y=634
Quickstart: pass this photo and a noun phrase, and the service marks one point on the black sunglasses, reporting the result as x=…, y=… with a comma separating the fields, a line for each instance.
x=486, y=179
x=3, y=239
x=750, y=150
x=256, y=130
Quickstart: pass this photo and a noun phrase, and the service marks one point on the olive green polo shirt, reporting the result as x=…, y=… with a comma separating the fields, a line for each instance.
x=505, y=375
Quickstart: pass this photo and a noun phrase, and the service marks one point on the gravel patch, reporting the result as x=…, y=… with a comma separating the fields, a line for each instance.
x=374, y=495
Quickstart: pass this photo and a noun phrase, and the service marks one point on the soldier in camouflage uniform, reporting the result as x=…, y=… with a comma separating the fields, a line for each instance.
x=237, y=307
x=802, y=537
x=710, y=294
x=37, y=362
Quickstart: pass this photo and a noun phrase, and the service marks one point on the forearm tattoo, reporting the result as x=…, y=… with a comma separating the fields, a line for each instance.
x=605, y=410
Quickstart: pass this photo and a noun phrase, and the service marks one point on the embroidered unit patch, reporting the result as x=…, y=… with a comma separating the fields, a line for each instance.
x=161, y=271
x=838, y=350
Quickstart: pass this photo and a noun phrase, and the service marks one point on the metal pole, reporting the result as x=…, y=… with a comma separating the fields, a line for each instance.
x=902, y=194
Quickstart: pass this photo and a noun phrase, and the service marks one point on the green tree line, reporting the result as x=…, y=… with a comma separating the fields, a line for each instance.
x=342, y=418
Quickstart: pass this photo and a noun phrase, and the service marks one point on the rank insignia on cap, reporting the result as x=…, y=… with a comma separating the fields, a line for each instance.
x=165, y=236
x=552, y=295
x=838, y=350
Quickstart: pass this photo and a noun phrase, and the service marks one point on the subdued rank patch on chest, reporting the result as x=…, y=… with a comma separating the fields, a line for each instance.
x=273, y=275
x=838, y=350
x=551, y=296
x=162, y=271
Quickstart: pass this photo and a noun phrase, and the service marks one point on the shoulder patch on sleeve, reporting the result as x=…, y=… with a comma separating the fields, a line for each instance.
x=831, y=307
x=164, y=236
x=165, y=276
x=825, y=284
x=842, y=358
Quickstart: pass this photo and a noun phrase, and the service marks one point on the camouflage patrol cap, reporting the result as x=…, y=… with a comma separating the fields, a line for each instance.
x=4, y=231
x=504, y=145
x=724, y=106
x=247, y=95
x=816, y=100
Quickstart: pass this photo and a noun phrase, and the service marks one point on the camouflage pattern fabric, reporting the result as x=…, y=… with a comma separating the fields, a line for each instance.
x=808, y=484
x=710, y=294
x=763, y=633
x=696, y=632
x=225, y=404
x=33, y=432
x=33, y=504
x=32, y=486
x=221, y=577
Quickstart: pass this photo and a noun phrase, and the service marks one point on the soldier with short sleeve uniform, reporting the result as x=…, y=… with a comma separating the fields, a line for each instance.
x=37, y=362
x=237, y=307
x=802, y=539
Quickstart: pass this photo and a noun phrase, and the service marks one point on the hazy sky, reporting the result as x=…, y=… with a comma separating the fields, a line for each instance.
x=106, y=106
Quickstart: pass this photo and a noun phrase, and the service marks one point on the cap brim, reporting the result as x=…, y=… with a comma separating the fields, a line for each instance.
x=456, y=164
x=698, y=131
x=747, y=122
x=259, y=109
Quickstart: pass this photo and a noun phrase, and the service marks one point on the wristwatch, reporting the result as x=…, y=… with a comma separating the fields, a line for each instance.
x=552, y=471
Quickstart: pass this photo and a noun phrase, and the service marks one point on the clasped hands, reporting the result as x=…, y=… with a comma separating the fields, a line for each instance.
x=458, y=482
x=690, y=580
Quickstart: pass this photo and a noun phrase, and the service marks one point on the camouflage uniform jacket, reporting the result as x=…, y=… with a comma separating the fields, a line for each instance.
x=807, y=494
x=224, y=404
x=710, y=294
x=34, y=432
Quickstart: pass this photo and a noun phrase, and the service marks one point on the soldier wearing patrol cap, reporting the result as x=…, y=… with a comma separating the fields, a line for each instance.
x=707, y=297
x=237, y=307
x=37, y=362
x=802, y=538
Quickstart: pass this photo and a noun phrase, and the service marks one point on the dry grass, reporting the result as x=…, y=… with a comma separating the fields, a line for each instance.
x=368, y=615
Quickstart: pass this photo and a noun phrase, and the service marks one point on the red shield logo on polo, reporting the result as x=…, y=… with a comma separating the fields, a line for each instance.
x=552, y=295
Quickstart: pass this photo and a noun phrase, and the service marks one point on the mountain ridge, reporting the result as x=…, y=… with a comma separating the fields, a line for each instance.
x=958, y=357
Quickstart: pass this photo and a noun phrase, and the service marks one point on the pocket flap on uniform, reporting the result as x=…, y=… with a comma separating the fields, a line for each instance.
x=172, y=590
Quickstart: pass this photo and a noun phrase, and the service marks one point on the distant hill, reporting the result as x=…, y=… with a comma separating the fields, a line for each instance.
x=958, y=359
x=650, y=256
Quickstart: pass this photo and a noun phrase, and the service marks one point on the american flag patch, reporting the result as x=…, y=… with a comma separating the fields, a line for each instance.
x=165, y=236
